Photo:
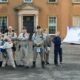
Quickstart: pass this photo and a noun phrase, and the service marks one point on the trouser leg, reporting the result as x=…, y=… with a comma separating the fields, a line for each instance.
x=56, y=57
x=21, y=55
x=4, y=62
x=0, y=58
x=14, y=49
x=34, y=58
x=34, y=54
x=10, y=56
x=42, y=58
x=14, y=55
x=26, y=56
x=47, y=57
x=24, y=53
x=60, y=55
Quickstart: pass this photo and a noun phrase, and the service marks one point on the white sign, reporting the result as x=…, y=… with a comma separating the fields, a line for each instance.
x=73, y=35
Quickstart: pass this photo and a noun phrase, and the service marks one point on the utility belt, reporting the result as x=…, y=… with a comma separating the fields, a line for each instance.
x=22, y=40
x=39, y=48
x=37, y=45
x=22, y=43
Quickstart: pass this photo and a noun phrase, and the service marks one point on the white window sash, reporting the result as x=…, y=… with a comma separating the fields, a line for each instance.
x=1, y=18
x=76, y=21
x=52, y=25
x=28, y=1
x=52, y=1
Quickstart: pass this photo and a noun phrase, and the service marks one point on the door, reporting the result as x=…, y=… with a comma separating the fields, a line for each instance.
x=28, y=23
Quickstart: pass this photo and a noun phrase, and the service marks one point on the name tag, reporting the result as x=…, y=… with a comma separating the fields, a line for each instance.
x=38, y=50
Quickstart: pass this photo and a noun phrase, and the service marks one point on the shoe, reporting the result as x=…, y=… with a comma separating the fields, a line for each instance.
x=34, y=64
x=3, y=66
x=27, y=67
x=47, y=63
x=20, y=65
x=43, y=64
x=14, y=67
x=55, y=64
x=61, y=63
x=15, y=63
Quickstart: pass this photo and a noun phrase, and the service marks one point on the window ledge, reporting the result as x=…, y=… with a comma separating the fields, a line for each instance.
x=52, y=2
x=27, y=3
x=51, y=34
x=4, y=2
x=75, y=2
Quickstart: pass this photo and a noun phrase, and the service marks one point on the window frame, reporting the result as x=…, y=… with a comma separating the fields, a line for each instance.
x=28, y=1
x=4, y=1
x=6, y=19
x=49, y=25
x=53, y=1
x=73, y=24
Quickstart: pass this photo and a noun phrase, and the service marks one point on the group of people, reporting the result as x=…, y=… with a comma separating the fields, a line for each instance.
x=41, y=44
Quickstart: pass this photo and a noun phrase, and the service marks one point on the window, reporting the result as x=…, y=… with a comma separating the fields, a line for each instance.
x=28, y=1
x=76, y=1
x=52, y=24
x=52, y=1
x=3, y=23
x=3, y=1
x=76, y=21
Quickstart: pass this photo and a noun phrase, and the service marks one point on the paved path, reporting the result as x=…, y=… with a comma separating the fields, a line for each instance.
x=69, y=70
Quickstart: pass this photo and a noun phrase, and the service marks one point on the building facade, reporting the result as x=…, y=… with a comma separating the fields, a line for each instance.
x=53, y=15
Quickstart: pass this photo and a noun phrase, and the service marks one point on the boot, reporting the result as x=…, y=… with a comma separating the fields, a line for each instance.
x=15, y=62
x=34, y=64
x=47, y=63
x=43, y=64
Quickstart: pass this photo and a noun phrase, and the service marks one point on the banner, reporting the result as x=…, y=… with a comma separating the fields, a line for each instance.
x=73, y=35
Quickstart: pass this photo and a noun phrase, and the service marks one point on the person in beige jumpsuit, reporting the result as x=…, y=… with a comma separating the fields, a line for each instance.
x=11, y=34
x=8, y=46
x=23, y=38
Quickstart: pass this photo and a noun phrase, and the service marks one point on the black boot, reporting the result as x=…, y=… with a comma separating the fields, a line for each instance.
x=43, y=64
x=47, y=62
x=34, y=64
x=15, y=62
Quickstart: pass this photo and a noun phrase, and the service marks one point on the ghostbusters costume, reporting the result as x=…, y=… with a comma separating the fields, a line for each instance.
x=23, y=44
